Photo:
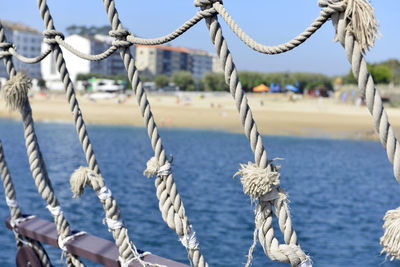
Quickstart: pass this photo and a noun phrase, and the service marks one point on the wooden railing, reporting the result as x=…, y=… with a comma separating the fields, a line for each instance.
x=86, y=246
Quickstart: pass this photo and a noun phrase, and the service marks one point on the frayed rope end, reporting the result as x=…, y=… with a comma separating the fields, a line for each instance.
x=258, y=181
x=15, y=91
x=78, y=181
x=85, y=176
x=362, y=22
x=152, y=167
x=391, y=238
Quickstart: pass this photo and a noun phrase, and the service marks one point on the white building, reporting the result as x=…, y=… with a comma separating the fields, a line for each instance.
x=27, y=41
x=97, y=44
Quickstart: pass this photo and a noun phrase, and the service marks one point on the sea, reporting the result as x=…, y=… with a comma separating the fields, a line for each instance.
x=339, y=191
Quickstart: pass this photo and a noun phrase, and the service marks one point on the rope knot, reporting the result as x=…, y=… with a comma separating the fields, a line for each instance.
x=361, y=20
x=16, y=89
x=258, y=182
x=85, y=176
x=50, y=36
x=120, y=38
x=205, y=3
x=154, y=168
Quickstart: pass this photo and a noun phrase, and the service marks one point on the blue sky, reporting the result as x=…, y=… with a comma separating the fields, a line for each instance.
x=270, y=22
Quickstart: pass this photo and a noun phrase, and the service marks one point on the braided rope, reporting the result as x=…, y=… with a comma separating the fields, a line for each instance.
x=170, y=203
x=37, y=164
x=367, y=89
x=83, y=176
x=54, y=37
x=298, y=40
x=270, y=243
x=76, y=52
x=15, y=211
x=70, y=93
x=110, y=206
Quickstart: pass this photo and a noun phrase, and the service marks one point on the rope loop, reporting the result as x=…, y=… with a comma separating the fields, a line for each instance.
x=50, y=36
x=205, y=3
x=62, y=242
x=120, y=38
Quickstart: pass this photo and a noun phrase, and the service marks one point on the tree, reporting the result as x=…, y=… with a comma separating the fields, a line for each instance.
x=184, y=80
x=380, y=73
x=161, y=80
x=214, y=82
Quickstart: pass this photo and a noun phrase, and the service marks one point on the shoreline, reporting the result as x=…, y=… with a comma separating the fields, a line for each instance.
x=274, y=114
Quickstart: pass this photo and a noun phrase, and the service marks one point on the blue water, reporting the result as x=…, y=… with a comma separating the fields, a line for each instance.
x=339, y=190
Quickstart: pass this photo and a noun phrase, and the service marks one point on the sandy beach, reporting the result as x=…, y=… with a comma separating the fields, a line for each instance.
x=274, y=114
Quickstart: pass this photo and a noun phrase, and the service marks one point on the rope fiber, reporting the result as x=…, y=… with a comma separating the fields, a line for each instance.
x=356, y=29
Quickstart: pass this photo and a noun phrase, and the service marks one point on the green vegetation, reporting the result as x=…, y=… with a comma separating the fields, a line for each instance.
x=184, y=80
x=161, y=80
x=214, y=82
x=383, y=72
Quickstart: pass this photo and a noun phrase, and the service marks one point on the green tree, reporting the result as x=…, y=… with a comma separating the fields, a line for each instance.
x=161, y=80
x=380, y=73
x=214, y=82
x=184, y=80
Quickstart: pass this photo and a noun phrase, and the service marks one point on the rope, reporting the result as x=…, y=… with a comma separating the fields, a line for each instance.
x=85, y=176
x=356, y=29
x=36, y=162
x=271, y=50
x=170, y=203
x=291, y=251
x=15, y=211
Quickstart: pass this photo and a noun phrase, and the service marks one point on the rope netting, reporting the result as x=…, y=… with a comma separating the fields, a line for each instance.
x=356, y=28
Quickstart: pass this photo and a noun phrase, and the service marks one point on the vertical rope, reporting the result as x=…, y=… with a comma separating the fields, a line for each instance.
x=15, y=211
x=110, y=206
x=170, y=203
x=37, y=164
x=291, y=252
x=366, y=87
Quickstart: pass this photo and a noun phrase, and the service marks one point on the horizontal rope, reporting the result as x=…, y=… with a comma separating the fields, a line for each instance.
x=55, y=37
x=250, y=42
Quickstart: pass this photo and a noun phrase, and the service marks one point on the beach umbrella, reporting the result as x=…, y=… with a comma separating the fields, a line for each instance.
x=292, y=88
x=261, y=88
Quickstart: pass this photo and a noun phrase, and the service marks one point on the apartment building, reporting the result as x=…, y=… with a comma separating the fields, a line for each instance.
x=27, y=41
x=96, y=44
x=160, y=59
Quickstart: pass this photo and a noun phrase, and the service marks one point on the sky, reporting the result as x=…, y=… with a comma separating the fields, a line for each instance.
x=269, y=22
